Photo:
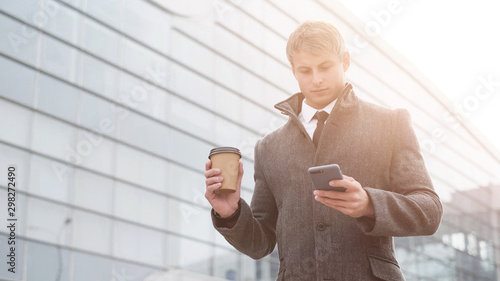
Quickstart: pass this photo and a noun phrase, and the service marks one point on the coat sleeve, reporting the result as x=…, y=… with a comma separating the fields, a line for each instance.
x=254, y=232
x=409, y=206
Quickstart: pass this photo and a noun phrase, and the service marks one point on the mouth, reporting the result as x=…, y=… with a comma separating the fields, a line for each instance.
x=319, y=91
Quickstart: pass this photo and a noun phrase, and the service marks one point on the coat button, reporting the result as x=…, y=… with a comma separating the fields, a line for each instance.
x=320, y=226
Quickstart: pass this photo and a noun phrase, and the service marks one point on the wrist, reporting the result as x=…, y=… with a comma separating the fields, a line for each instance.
x=230, y=212
x=369, y=211
x=226, y=214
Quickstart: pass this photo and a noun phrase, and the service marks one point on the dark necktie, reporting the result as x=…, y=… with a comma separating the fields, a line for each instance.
x=321, y=116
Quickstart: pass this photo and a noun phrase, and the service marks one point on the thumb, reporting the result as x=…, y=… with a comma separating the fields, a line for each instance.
x=240, y=174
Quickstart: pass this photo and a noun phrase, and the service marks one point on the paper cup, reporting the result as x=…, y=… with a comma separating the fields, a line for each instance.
x=227, y=159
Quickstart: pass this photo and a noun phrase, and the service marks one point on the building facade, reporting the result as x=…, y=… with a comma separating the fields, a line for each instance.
x=110, y=108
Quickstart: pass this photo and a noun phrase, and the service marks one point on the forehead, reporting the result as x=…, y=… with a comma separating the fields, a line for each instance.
x=305, y=59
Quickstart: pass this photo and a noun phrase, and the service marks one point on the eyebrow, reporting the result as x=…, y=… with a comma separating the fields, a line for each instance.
x=327, y=62
x=321, y=64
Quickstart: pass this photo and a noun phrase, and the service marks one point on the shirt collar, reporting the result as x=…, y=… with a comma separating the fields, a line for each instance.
x=308, y=111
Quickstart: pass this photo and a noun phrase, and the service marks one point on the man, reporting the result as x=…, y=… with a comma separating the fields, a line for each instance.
x=330, y=235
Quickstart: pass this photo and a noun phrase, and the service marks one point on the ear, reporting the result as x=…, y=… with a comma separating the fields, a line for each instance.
x=346, y=61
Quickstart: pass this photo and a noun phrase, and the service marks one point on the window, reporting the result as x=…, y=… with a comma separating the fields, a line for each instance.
x=138, y=244
x=91, y=232
x=95, y=151
x=156, y=104
x=18, y=83
x=226, y=264
x=274, y=45
x=189, y=255
x=99, y=77
x=187, y=184
x=61, y=21
x=280, y=21
x=93, y=191
x=98, y=115
x=191, y=86
x=140, y=60
x=227, y=133
x=90, y=267
x=191, y=118
x=21, y=160
x=123, y=271
x=228, y=104
x=57, y=98
x=99, y=40
x=142, y=169
x=47, y=262
x=248, y=181
x=58, y=59
x=187, y=150
x=190, y=220
x=21, y=9
x=141, y=206
x=48, y=222
x=142, y=95
x=150, y=25
x=47, y=182
x=108, y=12
x=228, y=73
x=257, y=117
x=145, y=133
x=21, y=40
x=17, y=127
x=192, y=54
x=54, y=138
x=248, y=268
x=246, y=195
x=458, y=241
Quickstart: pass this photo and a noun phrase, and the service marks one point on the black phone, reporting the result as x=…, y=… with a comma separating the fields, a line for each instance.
x=322, y=175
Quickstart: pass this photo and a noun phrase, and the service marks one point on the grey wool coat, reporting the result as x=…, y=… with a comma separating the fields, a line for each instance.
x=374, y=145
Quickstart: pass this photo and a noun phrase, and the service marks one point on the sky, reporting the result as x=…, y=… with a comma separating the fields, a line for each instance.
x=454, y=43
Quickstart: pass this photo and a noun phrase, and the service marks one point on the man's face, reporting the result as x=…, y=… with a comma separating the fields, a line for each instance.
x=320, y=78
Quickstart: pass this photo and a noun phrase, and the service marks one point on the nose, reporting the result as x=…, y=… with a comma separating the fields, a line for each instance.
x=317, y=78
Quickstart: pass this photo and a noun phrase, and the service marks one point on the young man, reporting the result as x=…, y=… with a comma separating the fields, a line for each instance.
x=330, y=235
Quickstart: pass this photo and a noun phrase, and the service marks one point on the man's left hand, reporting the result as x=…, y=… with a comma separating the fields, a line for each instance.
x=354, y=202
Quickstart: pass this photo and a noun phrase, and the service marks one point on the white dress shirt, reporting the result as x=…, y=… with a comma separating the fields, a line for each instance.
x=307, y=113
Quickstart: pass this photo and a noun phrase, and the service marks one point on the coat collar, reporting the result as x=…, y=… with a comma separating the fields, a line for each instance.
x=293, y=105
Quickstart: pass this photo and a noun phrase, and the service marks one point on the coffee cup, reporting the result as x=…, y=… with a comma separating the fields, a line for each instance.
x=227, y=159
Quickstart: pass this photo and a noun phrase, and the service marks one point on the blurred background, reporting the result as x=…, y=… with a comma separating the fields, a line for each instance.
x=110, y=108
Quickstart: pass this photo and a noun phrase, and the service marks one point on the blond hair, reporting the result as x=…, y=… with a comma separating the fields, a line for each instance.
x=316, y=37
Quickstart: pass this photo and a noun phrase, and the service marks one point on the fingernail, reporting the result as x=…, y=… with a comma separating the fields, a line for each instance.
x=220, y=178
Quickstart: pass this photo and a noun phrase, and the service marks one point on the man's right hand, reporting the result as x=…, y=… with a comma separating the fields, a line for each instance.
x=224, y=204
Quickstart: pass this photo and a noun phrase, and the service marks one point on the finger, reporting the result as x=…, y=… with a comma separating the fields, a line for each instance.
x=337, y=203
x=213, y=180
x=208, y=165
x=211, y=188
x=349, y=183
x=329, y=194
x=212, y=173
x=339, y=183
x=328, y=200
x=348, y=178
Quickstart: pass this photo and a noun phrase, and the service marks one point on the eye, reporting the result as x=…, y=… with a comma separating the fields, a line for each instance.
x=325, y=67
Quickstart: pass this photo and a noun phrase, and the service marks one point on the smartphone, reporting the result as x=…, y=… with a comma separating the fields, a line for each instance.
x=322, y=175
